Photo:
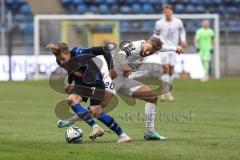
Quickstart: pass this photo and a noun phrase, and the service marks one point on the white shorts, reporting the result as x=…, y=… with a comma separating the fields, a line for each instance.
x=102, y=64
x=168, y=58
x=109, y=85
x=126, y=86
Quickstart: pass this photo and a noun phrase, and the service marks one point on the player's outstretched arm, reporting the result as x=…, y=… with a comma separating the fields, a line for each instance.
x=182, y=35
x=97, y=51
x=177, y=49
x=157, y=29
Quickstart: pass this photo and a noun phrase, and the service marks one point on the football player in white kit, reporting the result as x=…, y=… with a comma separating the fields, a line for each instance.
x=171, y=31
x=129, y=59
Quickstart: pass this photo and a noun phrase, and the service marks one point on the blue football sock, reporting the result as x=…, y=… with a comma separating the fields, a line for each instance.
x=110, y=122
x=83, y=114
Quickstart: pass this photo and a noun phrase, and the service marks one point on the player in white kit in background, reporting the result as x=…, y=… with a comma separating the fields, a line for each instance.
x=171, y=31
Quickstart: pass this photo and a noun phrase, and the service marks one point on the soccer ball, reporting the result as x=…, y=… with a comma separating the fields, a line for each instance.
x=74, y=135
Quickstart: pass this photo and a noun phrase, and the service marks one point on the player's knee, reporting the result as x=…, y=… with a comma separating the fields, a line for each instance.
x=107, y=98
x=152, y=99
x=96, y=111
x=171, y=70
x=166, y=69
x=74, y=99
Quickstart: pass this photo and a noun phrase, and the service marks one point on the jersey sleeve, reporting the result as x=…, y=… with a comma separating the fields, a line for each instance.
x=77, y=51
x=122, y=57
x=96, y=51
x=168, y=48
x=70, y=78
x=182, y=32
x=93, y=52
x=127, y=50
x=157, y=29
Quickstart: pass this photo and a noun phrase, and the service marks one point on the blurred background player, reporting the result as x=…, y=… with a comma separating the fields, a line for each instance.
x=171, y=31
x=204, y=42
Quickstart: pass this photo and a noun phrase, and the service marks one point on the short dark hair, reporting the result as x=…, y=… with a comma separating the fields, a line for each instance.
x=58, y=48
x=156, y=43
x=167, y=6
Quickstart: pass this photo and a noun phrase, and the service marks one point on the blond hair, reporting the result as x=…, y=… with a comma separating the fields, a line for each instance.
x=58, y=48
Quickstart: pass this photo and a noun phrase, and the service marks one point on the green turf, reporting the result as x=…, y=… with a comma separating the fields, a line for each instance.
x=28, y=125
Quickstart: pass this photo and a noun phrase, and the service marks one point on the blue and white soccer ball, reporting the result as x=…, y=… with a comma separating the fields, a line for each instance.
x=74, y=135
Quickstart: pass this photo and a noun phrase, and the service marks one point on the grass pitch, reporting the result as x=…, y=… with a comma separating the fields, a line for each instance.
x=202, y=123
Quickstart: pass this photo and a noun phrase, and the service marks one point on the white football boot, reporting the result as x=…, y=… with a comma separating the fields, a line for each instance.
x=124, y=139
x=96, y=132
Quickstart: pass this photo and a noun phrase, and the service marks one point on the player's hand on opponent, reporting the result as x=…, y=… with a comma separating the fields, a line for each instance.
x=179, y=50
x=113, y=73
x=68, y=88
x=183, y=45
x=126, y=70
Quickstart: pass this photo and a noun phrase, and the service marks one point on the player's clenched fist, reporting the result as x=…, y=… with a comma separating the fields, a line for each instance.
x=179, y=49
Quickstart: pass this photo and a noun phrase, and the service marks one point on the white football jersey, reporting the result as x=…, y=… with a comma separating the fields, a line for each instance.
x=117, y=65
x=170, y=32
x=131, y=54
x=133, y=51
x=102, y=65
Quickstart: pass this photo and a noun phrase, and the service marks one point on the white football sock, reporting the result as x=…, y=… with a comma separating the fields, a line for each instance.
x=171, y=79
x=95, y=126
x=123, y=135
x=166, y=83
x=171, y=83
x=150, y=113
